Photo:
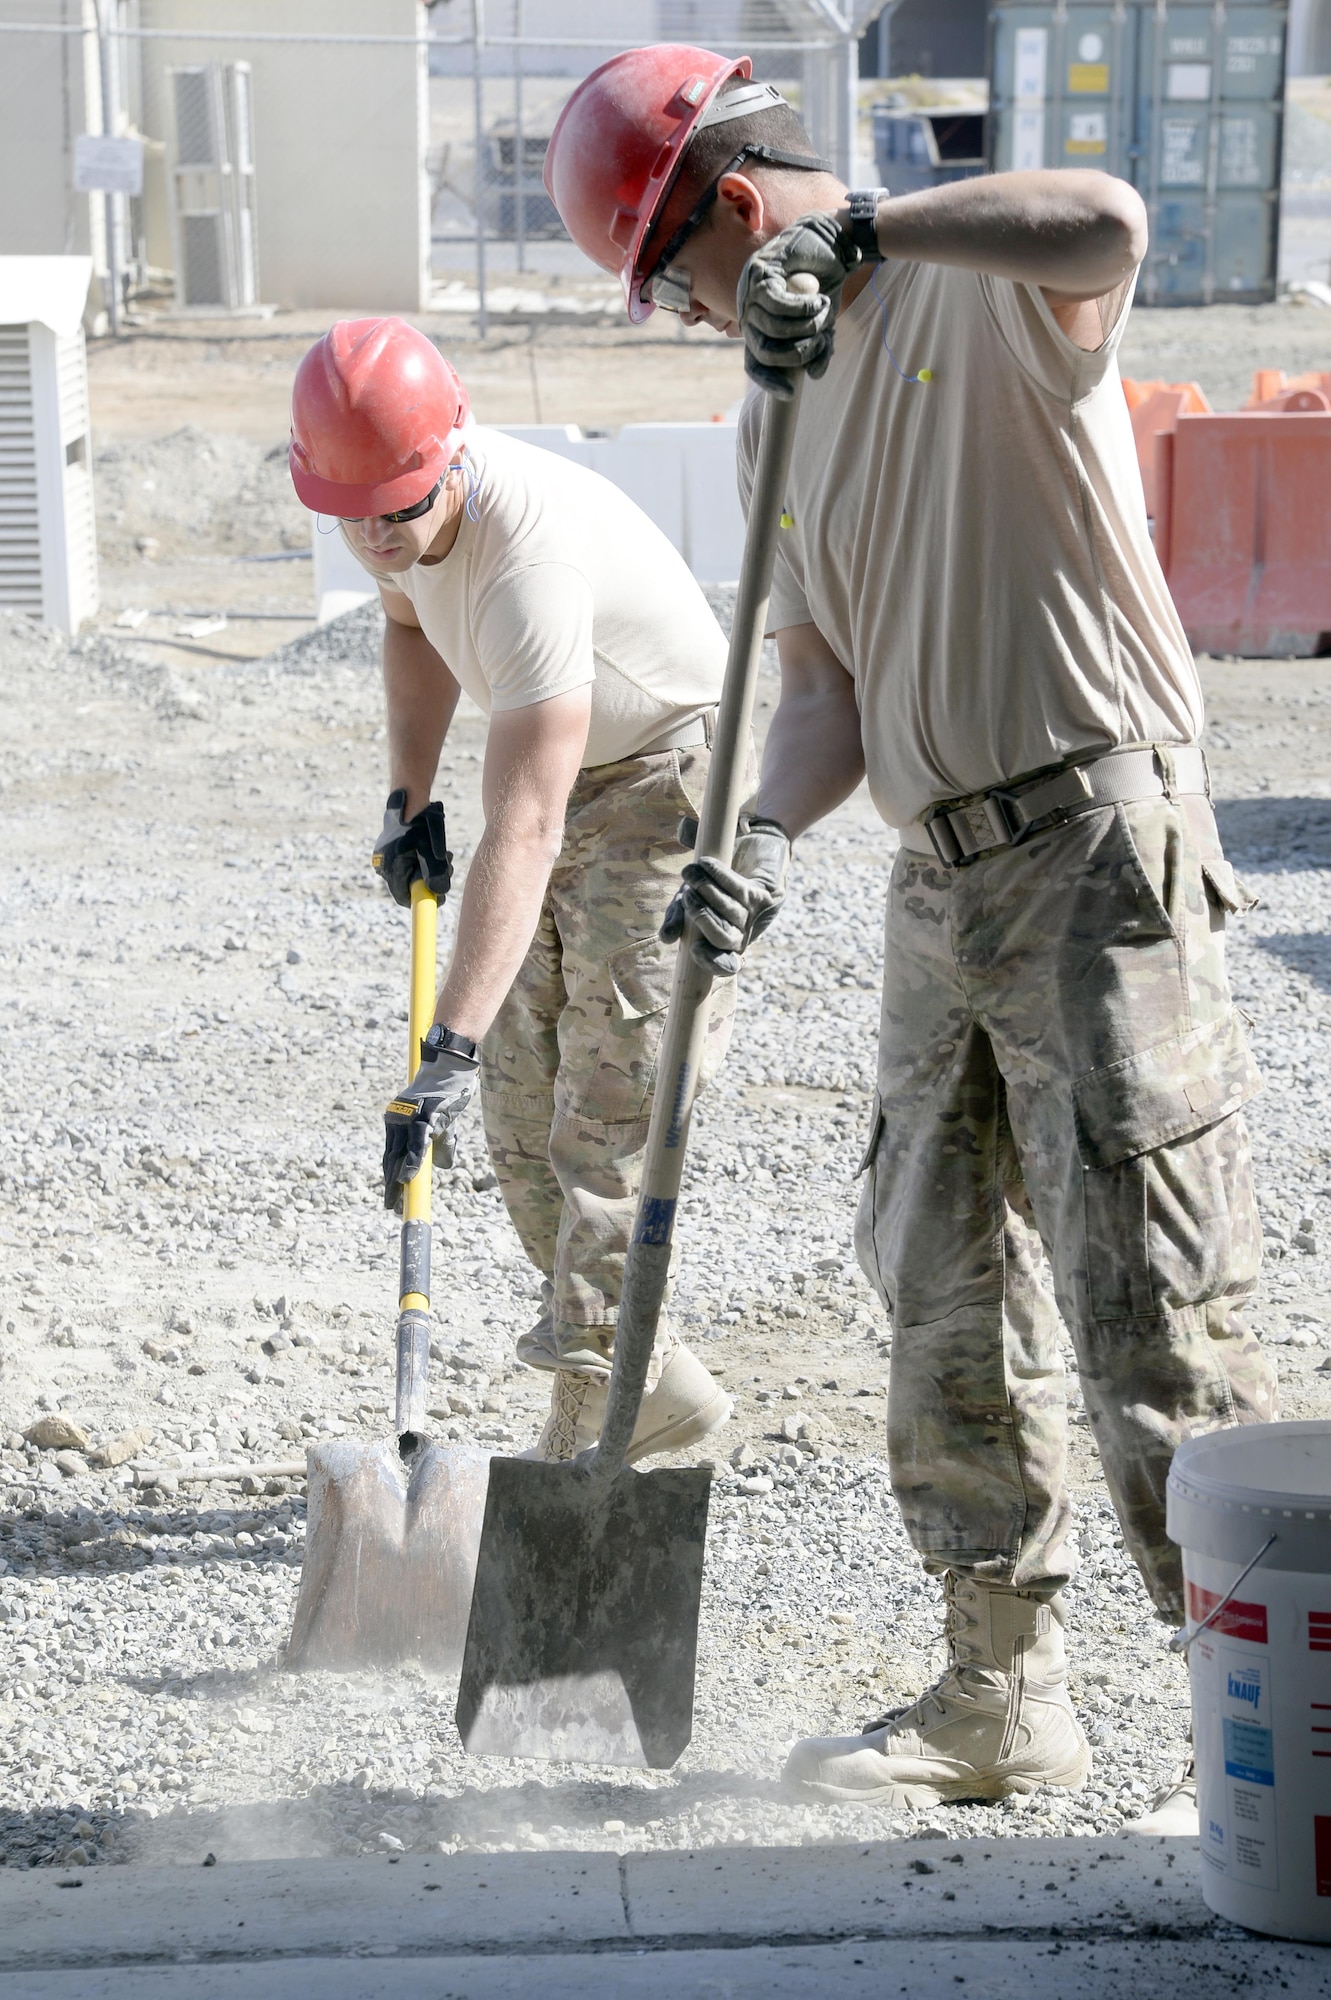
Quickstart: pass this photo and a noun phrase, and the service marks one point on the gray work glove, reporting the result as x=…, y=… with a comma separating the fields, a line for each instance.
x=730, y=907
x=413, y=847
x=785, y=331
x=426, y=1114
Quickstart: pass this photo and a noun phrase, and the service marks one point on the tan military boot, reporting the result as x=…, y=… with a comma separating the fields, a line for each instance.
x=997, y=1721
x=684, y=1406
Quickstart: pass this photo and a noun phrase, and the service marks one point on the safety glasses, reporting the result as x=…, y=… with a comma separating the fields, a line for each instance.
x=405, y=513
x=672, y=288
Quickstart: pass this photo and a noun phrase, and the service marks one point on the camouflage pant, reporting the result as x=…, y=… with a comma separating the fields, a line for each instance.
x=568, y=1067
x=1061, y=1067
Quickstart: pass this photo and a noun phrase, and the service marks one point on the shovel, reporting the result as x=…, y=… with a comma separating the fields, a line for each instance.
x=393, y=1527
x=584, y=1618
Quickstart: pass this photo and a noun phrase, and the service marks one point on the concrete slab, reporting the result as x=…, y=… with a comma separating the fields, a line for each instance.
x=261, y=1909
x=897, y=1888
x=1006, y=1969
x=1004, y=1920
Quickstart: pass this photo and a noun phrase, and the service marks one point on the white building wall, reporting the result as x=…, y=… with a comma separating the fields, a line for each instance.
x=340, y=136
x=50, y=92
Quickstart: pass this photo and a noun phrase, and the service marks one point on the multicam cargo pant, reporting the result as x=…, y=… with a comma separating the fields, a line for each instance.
x=567, y=1069
x=1061, y=1066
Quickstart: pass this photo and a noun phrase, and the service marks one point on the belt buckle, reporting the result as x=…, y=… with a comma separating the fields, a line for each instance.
x=942, y=816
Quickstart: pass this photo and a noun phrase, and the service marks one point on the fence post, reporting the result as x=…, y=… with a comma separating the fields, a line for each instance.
x=519, y=143
x=478, y=93
x=111, y=202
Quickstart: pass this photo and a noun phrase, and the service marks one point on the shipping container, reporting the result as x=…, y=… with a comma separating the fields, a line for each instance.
x=1185, y=101
x=916, y=148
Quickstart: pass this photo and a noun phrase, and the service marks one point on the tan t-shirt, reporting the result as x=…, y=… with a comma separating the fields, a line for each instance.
x=561, y=583
x=976, y=552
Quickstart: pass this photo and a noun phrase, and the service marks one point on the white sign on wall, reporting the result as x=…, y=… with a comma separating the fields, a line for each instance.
x=107, y=166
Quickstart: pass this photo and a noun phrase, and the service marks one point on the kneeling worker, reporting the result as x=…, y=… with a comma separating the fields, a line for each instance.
x=572, y=622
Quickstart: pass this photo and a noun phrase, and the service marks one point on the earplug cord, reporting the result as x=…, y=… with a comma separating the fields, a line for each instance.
x=926, y=375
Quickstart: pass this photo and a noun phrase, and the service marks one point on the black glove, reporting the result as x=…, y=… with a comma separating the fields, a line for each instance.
x=730, y=907
x=408, y=848
x=785, y=331
x=426, y=1114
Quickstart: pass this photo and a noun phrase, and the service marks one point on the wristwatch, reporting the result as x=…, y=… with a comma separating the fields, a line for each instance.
x=441, y=1041
x=863, y=225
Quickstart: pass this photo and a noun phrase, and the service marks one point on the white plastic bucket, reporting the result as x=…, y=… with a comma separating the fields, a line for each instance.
x=1261, y=1669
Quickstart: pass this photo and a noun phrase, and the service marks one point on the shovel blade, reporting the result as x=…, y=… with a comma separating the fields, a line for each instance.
x=390, y=1556
x=584, y=1618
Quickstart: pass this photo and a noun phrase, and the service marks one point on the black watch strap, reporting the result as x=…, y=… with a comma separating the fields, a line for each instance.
x=440, y=1040
x=863, y=225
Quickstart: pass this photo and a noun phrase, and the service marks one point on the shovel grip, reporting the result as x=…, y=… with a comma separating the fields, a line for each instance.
x=647, y=1266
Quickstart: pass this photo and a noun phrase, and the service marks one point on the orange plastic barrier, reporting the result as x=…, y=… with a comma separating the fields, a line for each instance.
x=1243, y=530
x=1273, y=389
x=1155, y=408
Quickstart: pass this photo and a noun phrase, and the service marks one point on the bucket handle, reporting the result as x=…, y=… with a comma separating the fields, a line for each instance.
x=1182, y=1639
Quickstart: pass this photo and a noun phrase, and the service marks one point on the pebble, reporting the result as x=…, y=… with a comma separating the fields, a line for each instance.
x=143, y=1712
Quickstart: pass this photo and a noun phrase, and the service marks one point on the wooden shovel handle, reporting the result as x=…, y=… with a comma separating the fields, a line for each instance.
x=647, y=1266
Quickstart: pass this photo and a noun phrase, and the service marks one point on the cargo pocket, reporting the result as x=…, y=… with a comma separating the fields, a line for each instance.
x=641, y=975
x=1171, y=1219
x=1226, y=895
x=866, y=1215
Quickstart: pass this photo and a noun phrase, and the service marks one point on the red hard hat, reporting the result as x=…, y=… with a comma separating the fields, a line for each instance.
x=615, y=152
x=375, y=412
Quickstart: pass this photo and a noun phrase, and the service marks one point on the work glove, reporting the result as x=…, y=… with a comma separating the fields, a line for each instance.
x=408, y=848
x=425, y=1114
x=785, y=331
x=730, y=907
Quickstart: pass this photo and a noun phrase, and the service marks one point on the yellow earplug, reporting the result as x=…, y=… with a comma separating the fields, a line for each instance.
x=787, y=519
x=925, y=375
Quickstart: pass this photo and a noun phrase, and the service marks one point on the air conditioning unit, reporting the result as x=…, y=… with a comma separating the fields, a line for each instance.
x=212, y=186
x=48, y=540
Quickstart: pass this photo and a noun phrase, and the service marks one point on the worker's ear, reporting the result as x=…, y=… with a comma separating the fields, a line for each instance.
x=740, y=200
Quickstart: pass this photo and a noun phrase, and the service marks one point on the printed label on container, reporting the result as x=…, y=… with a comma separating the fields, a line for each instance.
x=1245, y=1717
x=1032, y=55
x=1322, y=1851
x=1239, y=1620
x=1088, y=132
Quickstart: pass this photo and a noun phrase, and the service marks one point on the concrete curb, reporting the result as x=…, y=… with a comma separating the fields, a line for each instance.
x=1019, y=1918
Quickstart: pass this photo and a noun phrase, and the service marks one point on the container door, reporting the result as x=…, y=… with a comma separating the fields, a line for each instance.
x=1210, y=80
x=1063, y=86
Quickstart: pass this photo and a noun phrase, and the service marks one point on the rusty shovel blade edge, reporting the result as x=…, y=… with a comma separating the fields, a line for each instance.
x=390, y=1555
x=584, y=1616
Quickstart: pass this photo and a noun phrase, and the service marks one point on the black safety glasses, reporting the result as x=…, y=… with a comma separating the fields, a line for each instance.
x=403, y=513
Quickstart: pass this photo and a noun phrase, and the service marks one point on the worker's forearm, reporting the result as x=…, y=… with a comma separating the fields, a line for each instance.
x=813, y=760
x=420, y=695
x=1072, y=230
x=501, y=907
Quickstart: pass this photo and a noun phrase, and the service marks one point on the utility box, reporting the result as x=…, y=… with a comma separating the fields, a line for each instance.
x=923, y=148
x=212, y=186
x=48, y=539
x=1185, y=101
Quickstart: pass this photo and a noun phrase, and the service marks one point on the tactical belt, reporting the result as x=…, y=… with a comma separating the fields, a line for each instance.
x=689, y=736
x=957, y=834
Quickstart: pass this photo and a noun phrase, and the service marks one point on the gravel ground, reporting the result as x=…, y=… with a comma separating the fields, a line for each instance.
x=204, y=1011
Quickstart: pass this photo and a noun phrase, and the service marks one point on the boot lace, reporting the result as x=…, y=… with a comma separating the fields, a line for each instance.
x=559, y=1438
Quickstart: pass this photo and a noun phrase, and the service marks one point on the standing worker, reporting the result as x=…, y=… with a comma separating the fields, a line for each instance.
x=569, y=619
x=967, y=606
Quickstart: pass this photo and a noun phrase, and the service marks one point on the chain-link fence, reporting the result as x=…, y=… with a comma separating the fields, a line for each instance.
x=361, y=113
x=496, y=96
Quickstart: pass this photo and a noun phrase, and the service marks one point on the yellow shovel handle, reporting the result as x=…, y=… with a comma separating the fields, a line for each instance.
x=420, y=1013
